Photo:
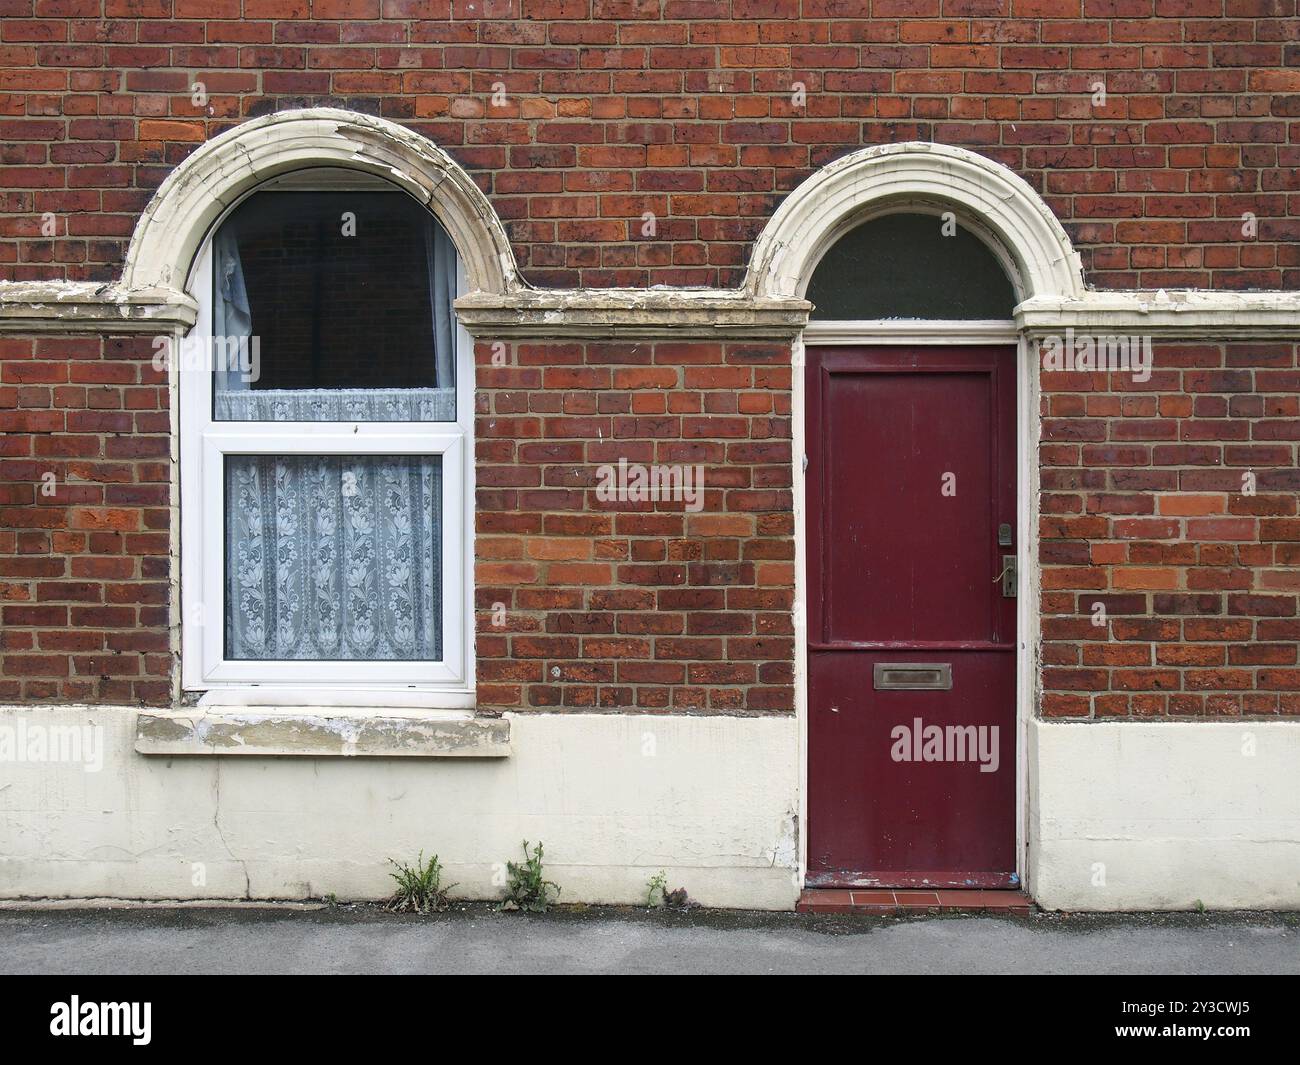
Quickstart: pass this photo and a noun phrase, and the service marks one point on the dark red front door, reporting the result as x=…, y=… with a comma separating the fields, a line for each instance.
x=911, y=634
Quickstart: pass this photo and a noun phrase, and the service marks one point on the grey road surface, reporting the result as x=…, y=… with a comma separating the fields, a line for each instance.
x=477, y=939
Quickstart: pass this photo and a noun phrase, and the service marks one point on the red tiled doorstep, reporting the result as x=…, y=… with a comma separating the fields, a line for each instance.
x=885, y=901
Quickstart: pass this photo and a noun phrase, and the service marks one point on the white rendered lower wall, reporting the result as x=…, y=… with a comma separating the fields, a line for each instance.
x=1122, y=816
x=614, y=798
x=1160, y=816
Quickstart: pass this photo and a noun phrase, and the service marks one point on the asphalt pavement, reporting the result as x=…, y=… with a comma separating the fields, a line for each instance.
x=476, y=938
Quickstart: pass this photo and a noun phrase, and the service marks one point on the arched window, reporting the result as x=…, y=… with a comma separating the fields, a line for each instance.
x=910, y=266
x=326, y=405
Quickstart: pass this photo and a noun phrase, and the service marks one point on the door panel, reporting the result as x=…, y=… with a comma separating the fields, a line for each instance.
x=911, y=470
x=922, y=575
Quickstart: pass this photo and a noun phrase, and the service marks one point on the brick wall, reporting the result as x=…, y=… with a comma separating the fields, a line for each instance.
x=603, y=604
x=623, y=603
x=84, y=473
x=1172, y=504
x=1146, y=509
x=683, y=108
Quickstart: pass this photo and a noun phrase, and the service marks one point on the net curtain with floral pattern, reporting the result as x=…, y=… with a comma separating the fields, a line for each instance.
x=334, y=557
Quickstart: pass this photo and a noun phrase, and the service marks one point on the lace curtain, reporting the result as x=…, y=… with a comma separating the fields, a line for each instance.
x=334, y=557
x=338, y=405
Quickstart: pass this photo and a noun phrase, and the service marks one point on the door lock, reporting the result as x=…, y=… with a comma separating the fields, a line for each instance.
x=1007, y=576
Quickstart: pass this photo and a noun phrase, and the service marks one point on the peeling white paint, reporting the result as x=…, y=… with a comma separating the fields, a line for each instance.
x=785, y=854
x=1124, y=815
x=85, y=306
x=711, y=807
x=996, y=203
x=321, y=731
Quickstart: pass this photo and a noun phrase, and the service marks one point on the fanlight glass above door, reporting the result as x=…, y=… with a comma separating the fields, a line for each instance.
x=910, y=266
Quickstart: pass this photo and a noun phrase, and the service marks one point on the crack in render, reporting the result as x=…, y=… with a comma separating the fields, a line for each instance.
x=216, y=823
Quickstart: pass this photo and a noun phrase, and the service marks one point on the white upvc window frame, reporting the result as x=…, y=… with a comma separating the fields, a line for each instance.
x=204, y=445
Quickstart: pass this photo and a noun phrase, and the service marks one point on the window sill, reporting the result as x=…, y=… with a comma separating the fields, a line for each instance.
x=406, y=700
x=321, y=732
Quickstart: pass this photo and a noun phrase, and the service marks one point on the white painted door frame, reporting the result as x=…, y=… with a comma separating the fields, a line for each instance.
x=944, y=333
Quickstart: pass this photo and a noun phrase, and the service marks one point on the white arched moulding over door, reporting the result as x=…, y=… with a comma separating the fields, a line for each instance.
x=913, y=525
x=987, y=198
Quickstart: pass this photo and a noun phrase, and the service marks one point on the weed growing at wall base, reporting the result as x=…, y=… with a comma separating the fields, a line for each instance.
x=419, y=887
x=526, y=888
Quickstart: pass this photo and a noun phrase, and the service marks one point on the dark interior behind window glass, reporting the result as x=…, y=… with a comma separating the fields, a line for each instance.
x=902, y=266
x=333, y=310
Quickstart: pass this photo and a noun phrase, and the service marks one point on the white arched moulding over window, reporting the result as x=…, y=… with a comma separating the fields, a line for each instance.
x=199, y=191
x=325, y=411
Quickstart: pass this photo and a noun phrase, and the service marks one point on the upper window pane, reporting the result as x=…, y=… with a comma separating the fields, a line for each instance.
x=339, y=304
x=903, y=266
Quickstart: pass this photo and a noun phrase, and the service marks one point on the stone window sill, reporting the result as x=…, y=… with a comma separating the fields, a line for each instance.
x=321, y=732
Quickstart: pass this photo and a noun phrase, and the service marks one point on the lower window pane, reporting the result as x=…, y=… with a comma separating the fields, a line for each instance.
x=334, y=558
